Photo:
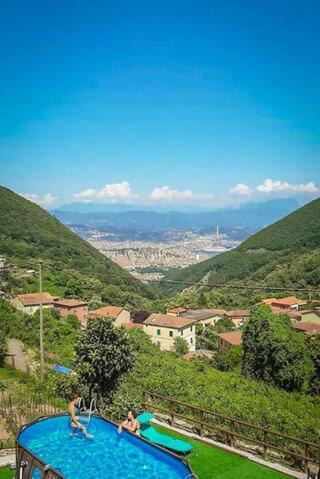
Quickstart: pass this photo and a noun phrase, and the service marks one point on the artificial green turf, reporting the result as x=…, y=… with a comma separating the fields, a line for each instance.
x=212, y=463
x=6, y=473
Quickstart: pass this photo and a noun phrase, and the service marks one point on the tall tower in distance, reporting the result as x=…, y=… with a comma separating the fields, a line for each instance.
x=217, y=234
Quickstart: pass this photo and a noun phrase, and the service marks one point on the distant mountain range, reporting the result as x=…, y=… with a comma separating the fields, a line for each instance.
x=285, y=254
x=252, y=216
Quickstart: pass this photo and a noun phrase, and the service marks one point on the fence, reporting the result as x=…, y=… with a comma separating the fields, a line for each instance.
x=21, y=407
x=234, y=432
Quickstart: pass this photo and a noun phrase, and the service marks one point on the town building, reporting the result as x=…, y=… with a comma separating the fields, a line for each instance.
x=206, y=317
x=164, y=328
x=30, y=303
x=284, y=305
x=306, y=327
x=306, y=315
x=226, y=340
x=73, y=307
x=238, y=317
x=120, y=315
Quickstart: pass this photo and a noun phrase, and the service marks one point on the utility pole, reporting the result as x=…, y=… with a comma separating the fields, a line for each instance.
x=41, y=324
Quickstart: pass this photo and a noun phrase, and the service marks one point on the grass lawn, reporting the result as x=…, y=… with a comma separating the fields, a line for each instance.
x=211, y=463
x=6, y=473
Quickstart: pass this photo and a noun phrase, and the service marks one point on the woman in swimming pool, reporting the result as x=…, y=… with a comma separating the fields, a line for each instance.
x=130, y=424
x=75, y=415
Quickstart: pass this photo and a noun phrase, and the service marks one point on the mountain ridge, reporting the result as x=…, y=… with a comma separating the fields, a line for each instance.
x=251, y=215
x=286, y=253
x=28, y=232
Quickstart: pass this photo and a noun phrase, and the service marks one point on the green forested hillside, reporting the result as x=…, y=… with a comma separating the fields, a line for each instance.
x=27, y=233
x=286, y=253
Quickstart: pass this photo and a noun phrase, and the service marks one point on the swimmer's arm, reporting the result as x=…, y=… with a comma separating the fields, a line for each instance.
x=124, y=424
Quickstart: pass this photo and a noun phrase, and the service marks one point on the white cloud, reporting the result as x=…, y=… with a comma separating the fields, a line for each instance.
x=46, y=200
x=240, y=189
x=169, y=195
x=110, y=192
x=270, y=186
x=166, y=193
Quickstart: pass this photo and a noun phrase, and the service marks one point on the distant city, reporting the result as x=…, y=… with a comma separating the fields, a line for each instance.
x=150, y=260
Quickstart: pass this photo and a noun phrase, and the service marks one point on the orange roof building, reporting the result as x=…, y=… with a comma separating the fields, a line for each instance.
x=226, y=340
x=29, y=303
x=120, y=315
x=164, y=328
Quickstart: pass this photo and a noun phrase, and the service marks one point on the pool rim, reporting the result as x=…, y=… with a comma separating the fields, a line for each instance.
x=59, y=474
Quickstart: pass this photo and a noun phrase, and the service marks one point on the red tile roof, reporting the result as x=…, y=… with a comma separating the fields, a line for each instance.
x=307, y=327
x=237, y=313
x=167, y=321
x=133, y=325
x=178, y=310
x=288, y=301
x=70, y=303
x=105, y=312
x=34, y=298
x=233, y=337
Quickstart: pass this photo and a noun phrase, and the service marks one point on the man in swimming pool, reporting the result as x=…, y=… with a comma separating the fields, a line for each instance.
x=75, y=415
x=130, y=424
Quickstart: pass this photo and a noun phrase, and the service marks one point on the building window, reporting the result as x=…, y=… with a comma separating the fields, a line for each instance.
x=181, y=332
x=191, y=328
x=191, y=341
x=158, y=332
x=159, y=344
x=171, y=334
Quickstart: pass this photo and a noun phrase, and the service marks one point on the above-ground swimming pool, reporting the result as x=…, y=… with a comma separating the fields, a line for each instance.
x=108, y=455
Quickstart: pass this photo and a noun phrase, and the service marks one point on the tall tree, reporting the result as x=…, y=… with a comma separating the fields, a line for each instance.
x=104, y=355
x=274, y=352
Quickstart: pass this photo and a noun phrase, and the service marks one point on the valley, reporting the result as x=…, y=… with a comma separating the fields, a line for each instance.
x=151, y=259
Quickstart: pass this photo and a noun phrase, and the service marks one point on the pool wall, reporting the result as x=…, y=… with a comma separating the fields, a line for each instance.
x=27, y=462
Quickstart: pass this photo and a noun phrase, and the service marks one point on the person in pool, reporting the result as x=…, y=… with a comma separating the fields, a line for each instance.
x=75, y=415
x=130, y=424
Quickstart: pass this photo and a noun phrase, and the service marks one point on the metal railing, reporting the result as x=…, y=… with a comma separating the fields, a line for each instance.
x=238, y=433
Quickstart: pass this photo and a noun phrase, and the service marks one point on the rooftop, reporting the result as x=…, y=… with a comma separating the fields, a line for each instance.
x=106, y=311
x=70, y=303
x=177, y=310
x=287, y=301
x=307, y=327
x=232, y=337
x=201, y=314
x=34, y=298
x=238, y=312
x=165, y=320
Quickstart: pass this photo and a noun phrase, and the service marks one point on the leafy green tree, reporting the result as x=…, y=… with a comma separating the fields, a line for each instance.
x=3, y=348
x=315, y=353
x=229, y=361
x=104, y=355
x=274, y=352
x=180, y=346
x=223, y=325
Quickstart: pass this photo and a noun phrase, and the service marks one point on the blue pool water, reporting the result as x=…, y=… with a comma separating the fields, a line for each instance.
x=108, y=455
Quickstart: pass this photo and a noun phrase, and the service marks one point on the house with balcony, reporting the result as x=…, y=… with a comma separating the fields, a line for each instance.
x=164, y=328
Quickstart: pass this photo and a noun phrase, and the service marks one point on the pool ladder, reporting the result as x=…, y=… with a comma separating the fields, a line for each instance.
x=191, y=476
x=92, y=409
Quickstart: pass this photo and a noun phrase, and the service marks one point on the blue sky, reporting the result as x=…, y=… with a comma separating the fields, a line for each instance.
x=197, y=102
